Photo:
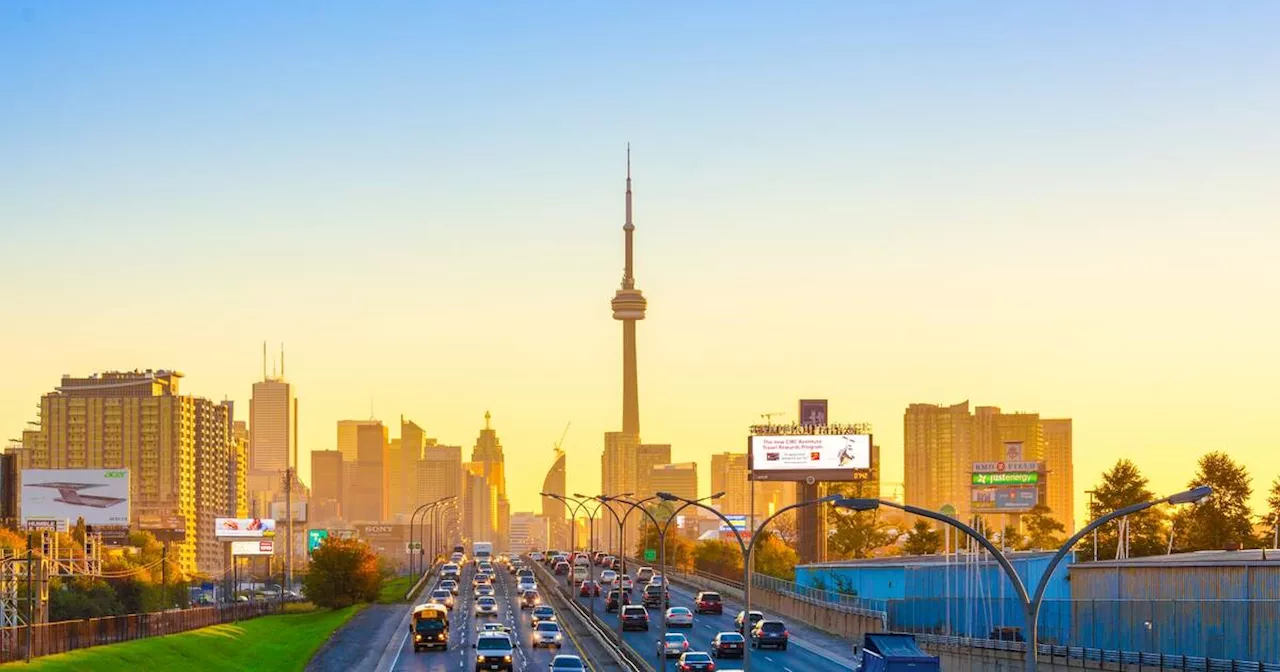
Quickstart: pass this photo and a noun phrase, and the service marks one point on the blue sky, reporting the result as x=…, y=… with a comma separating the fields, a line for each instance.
x=1064, y=207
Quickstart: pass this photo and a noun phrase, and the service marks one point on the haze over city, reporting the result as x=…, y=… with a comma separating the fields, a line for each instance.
x=425, y=207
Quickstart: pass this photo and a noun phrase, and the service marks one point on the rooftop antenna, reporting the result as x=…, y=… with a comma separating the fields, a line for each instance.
x=264, y=360
x=282, y=360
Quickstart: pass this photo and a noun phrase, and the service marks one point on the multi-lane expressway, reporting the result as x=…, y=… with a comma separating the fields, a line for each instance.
x=460, y=657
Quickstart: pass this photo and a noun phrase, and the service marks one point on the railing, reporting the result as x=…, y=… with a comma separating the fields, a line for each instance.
x=64, y=636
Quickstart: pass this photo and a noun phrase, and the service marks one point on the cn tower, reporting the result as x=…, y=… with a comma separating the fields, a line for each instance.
x=628, y=306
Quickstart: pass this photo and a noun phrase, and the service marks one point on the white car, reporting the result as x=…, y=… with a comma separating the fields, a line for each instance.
x=450, y=585
x=526, y=583
x=674, y=645
x=679, y=617
x=484, y=590
x=486, y=606
x=627, y=583
x=607, y=577
x=536, y=556
x=546, y=633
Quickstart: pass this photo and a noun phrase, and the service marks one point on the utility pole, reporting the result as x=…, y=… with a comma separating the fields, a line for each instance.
x=164, y=576
x=288, y=542
x=31, y=599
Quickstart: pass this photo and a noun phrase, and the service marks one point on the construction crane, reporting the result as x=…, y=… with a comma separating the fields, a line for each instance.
x=768, y=417
x=562, y=435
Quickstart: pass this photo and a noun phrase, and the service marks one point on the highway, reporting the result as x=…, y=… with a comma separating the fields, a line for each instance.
x=705, y=627
x=462, y=628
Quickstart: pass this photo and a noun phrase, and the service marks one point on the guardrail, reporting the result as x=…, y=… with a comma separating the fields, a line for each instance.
x=417, y=587
x=622, y=654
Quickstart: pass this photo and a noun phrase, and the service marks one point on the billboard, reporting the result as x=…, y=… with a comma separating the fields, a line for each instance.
x=299, y=511
x=255, y=547
x=801, y=457
x=813, y=412
x=382, y=532
x=991, y=467
x=315, y=538
x=100, y=496
x=1013, y=499
x=249, y=528
x=1007, y=478
x=739, y=522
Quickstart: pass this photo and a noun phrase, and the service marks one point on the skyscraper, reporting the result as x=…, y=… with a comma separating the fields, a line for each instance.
x=680, y=479
x=238, y=470
x=326, y=482
x=273, y=431
x=365, y=499
x=214, y=443
x=487, y=453
x=1060, y=489
x=412, y=441
x=629, y=306
x=440, y=474
x=553, y=510
x=729, y=475
x=648, y=456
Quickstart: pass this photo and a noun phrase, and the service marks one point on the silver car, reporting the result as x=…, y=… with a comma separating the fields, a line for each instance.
x=674, y=645
x=486, y=606
x=547, y=633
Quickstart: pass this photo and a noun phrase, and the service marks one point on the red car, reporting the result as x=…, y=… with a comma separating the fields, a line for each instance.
x=708, y=602
x=589, y=588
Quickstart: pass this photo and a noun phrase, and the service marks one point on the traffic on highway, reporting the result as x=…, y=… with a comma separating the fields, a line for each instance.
x=475, y=617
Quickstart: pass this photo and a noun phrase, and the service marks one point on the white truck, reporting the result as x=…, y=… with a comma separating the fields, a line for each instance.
x=482, y=551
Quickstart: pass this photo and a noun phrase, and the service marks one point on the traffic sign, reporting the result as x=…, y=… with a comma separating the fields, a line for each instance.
x=650, y=554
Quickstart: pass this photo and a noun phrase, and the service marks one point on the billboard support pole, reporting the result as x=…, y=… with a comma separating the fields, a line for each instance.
x=31, y=604
x=288, y=542
x=164, y=576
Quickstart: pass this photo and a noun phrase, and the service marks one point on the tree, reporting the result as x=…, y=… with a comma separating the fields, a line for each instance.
x=773, y=557
x=1225, y=520
x=723, y=558
x=784, y=526
x=922, y=540
x=1011, y=538
x=343, y=572
x=1122, y=486
x=1043, y=531
x=1272, y=517
x=679, y=549
x=856, y=533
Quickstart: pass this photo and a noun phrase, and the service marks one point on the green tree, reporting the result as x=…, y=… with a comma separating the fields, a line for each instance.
x=1122, y=486
x=1043, y=531
x=1011, y=537
x=679, y=549
x=723, y=558
x=1272, y=518
x=856, y=533
x=922, y=540
x=343, y=572
x=1225, y=519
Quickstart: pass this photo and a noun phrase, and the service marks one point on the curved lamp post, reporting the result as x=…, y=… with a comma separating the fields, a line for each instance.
x=591, y=549
x=747, y=550
x=437, y=512
x=1031, y=602
x=622, y=549
x=575, y=506
x=423, y=509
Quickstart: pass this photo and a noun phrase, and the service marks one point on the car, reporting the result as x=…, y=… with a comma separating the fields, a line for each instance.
x=756, y=617
x=564, y=663
x=674, y=644
x=679, y=617
x=492, y=626
x=657, y=580
x=536, y=556
x=513, y=567
x=656, y=596
x=450, y=585
x=484, y=590
x=530, y=599
x=770, y=633
x=442, y=596
x=526, y=583
x=450, y=570
x=543, y=613
x=479, y=579
x=456, y=557
x=487, y=606
x=524, y=571
x=547, y=633
x=561, y=568
x=634, y=617
x=728, y=645
x=627, y=583
x=616, y=599
x=695, y=661
x=580, y=573
x=608, y=577
x=644, y=574
x=597, y=557
x=589, y=588
x=494, y=651
x=708, y=602
x=485, y=567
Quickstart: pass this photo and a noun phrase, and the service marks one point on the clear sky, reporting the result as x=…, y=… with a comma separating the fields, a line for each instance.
x=1068, y=208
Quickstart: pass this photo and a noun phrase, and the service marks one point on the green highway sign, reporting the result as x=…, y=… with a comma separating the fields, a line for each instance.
x=650, y=554
x=1007, y=478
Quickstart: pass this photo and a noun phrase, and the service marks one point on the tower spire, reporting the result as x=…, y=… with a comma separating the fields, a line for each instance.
x=486, y=419
x=628, y=277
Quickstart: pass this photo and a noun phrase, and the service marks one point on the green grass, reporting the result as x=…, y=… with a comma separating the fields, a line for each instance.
x=393, y=589
x=285, y=642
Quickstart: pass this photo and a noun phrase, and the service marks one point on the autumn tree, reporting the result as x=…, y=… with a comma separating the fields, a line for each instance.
x=856, y=533
x=343, y=572
x=1225, y=519
x=922, y=540
x=1042, y=530
x=679, y=549
x=1121, y=486
x=774, y=557
x=723, y=558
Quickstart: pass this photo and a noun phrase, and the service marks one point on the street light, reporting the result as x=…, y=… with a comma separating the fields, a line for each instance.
x=435, y=510
x=662, y=563
x=423, y=510
x=622, y=549
x=747, y=550
x=591, y=548
x=1196, y=495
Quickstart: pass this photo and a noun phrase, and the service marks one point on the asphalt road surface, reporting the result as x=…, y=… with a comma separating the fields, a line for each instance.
x=462, y=628
x=705, y=627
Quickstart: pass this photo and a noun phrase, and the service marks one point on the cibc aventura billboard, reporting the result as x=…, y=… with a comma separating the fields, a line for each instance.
x=810, y=457
x=99, y=496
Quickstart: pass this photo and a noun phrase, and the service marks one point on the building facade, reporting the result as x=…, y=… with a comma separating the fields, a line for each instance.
x=553, y=510
x=729, y=475
x=487, y=454
x=326, y=485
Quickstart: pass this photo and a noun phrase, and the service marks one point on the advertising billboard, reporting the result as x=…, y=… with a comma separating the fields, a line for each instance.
x=1014, y=499
x=99, y=496
x=1007, y=478
x=992, y=467
x=299, y=511
x=248, y=528
x=800, y=457
x=315, y=538
x=255, y=547
x=382, y=532
x=739, y=522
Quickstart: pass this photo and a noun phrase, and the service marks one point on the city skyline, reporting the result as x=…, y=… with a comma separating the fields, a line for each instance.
x=942, y=226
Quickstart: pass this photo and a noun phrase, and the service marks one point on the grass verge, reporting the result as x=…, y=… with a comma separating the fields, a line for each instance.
x=285, y=642
x=393, y=589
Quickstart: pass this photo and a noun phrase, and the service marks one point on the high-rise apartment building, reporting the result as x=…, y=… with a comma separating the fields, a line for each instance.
x=488, y=454
x=139, y=421
x=326, y=484
x=729, y=475
x=553, y=510
x=942, y=444
x=238, y=470
x=440, y=474
x=213, y=466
